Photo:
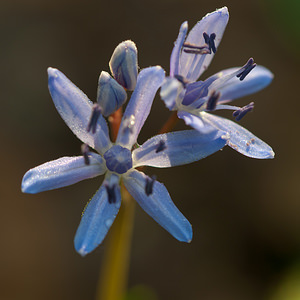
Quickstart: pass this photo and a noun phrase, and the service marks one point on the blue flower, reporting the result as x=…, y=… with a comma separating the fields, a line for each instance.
x=118, y=161
x=193, y=99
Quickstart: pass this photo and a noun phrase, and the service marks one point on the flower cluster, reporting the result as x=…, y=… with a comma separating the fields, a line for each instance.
x=118, y=160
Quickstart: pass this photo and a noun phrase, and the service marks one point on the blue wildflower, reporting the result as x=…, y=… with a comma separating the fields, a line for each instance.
x=119, y=160
x=193, y=99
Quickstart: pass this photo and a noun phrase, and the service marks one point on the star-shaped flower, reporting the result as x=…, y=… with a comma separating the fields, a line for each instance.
x=119, y=160
x=193, y=99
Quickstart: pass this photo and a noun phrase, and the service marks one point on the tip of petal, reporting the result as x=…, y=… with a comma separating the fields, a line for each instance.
x=82, y=252
x=267, y=75
x=26, y=185
x=24, y=189
x=189, y=236
x=52, y=72
x=130, y=44
x=155, y=70
x=158, y=69
x=223, y=12
x=271, y=154
x=184, y=26
x=81, y=248
x=186, y=234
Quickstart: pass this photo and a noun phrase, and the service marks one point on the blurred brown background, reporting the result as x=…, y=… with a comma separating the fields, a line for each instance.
x=244, y=212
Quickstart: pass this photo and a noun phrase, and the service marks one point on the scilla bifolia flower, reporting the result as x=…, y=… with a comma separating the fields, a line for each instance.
x=117, y=161
x=194, y=100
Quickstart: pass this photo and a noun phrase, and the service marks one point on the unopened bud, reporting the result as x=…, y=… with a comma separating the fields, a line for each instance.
x=110, y=95
x=123, y=64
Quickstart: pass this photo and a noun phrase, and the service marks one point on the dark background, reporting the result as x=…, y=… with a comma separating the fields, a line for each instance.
x=244, y=212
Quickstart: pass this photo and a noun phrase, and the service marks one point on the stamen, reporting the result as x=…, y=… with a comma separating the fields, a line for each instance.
x=210, y=41
x=96, y=111
x=149, y=185
x=182, y=80
x=246, y=69
x=240, y=113
x=194, y=49
x=85, y=152
x=161, y=146
x=212, y=101
x=110, y=192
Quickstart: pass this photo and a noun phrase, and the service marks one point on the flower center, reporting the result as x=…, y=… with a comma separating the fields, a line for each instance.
x=118, y=159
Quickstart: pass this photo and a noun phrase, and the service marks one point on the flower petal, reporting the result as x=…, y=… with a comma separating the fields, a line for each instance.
x=178, y=148
x=138, y=108
x=174, y=61
x=75, y=108
x=240, y=139
x=62, y=172
x=193, y=65
x=172, y=93
x=256, y=80
x=195, y=122
x=97, y=219
x=158, y=205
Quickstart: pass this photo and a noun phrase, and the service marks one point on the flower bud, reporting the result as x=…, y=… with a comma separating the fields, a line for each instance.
x=110, y=94
x=123, y=64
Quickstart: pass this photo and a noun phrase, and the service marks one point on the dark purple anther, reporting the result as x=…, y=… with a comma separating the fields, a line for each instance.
x=149, y=185
x=194, y=49
x=246, y=69
x=110, y=192
x=212, y=101
x=161, y=146
x=96, y=111
x=210, y=41
x=240, y=113
x=182, y=80
x=85, y=152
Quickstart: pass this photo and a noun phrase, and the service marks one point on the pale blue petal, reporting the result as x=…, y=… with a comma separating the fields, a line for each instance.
x=196, y=122
x=174, y=61
x=178, y=148
x=256, y=80
x=96, y=220
x=110, y=95
x=138, y=108
x=75, y=108
x=172, y=92
x=240, y=139
x=62, y=172
x=158, y=205
x=193, y=65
